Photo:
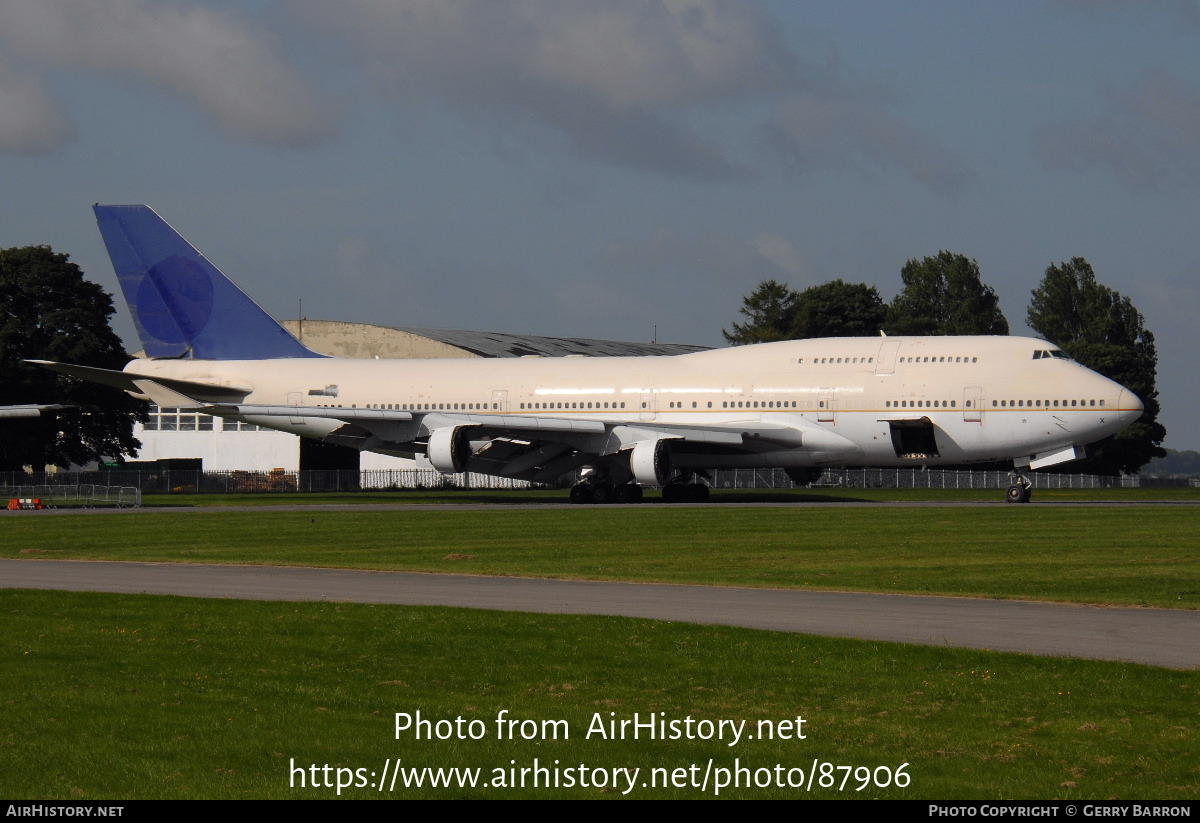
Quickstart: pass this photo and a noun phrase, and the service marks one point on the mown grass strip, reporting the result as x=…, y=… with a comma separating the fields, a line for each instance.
x=115, y=696
x=1131, y=555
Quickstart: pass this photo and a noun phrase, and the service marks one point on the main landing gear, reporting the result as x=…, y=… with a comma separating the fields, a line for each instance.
x=1020, y=490
x=598, y=492
x=595, y=491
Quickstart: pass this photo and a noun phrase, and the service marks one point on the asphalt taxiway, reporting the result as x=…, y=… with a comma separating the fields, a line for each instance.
x=1159, y=637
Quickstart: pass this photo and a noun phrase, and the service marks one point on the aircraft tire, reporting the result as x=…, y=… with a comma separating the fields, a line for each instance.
x=673, y=493
x=695, y=493
x=581, y=493
x=627, y=493
x=601, y=493
x=1017, y=494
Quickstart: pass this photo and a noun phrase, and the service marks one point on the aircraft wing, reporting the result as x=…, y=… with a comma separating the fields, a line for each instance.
x=732, y=434
x=525, y=446
x=512, y=422
x=532, y=447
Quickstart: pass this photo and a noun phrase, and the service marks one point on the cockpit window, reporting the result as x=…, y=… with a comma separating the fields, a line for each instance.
x=1044, y=353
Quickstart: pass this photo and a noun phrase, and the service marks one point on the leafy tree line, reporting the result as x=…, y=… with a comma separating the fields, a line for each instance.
x=941, y=295
x=49, y=312
x=946, y=295
x=1175, y=464
x=1100, y=328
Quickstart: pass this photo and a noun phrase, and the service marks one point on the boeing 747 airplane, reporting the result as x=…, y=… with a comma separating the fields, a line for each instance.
x=628, y=422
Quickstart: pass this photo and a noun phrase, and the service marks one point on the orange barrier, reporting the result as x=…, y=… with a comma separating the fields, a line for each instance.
x=20, y=503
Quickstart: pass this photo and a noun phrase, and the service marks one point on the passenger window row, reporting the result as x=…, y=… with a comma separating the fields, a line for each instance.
x=1045, y=403
x=826, y=360
x=920, y=404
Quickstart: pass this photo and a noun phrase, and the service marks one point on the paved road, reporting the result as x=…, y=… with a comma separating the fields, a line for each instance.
x=1160, y=637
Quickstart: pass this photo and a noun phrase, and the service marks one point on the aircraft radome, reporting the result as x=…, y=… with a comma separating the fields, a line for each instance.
x=667, y=421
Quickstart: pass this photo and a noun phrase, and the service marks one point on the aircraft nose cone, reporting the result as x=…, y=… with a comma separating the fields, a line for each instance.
x=1130, y=407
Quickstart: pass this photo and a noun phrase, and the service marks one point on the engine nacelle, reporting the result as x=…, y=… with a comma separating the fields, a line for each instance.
x=650, y=462
x=450, y=448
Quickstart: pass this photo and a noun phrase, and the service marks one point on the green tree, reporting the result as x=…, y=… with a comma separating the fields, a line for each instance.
x=49, y=312
x=768, y=311
x=838, y=309
x=1100, y=328
x=835, y=309
x=945, y=295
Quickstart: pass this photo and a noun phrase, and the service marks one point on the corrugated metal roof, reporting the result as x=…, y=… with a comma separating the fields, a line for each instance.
x=501, y=344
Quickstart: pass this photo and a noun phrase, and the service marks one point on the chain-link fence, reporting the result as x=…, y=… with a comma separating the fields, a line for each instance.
x=191, y=481
x=897, y=478
x=951, y=479
x=74, y=494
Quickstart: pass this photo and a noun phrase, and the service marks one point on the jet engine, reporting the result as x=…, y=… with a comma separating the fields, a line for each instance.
x=449, y=448
x=650, y=462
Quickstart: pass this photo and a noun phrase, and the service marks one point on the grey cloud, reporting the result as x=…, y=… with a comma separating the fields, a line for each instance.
x=810, y=132
x=30, y=121
x=210, y=58
x=1186, y=10
x=669, y=275
x=1148, y=136
x=621, y=81
x=613, y=79
x=623, y=53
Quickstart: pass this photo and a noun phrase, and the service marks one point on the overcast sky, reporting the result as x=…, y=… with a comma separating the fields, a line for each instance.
x=596, y=168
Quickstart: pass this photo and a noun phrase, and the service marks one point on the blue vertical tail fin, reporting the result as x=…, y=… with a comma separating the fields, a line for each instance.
x=182, y=305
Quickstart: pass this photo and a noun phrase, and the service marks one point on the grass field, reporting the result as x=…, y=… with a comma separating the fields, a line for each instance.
x=115, y=696
x=1129, y=555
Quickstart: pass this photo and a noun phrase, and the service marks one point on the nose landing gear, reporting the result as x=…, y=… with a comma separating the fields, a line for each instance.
x=1020, y=489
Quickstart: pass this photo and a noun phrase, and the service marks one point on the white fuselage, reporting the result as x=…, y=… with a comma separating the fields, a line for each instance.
x=985, y=398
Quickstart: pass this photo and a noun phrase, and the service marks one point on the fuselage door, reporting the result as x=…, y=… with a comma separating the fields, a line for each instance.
x=649, y=403
x=973, y=404
x=885, y=361
x=825, y=408
x=499, y=400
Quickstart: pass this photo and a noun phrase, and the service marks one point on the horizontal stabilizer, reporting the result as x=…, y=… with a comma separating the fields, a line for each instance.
x=29, y=410
x=200, y=393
